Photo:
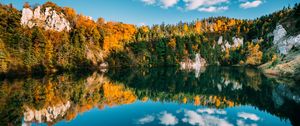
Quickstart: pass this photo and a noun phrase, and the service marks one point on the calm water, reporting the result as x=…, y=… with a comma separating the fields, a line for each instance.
x=216, y=96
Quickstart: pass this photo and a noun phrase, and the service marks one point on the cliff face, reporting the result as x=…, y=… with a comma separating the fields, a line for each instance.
x=283, y=42
x=288, y=48
x=48, y=19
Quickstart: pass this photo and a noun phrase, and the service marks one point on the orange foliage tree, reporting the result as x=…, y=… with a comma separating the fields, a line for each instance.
x=117, y=34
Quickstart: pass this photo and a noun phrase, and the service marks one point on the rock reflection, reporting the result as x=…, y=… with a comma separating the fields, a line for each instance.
x=53, y=99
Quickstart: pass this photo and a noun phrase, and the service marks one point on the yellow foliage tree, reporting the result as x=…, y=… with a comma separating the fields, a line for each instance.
x=172, y=43
x=48, y=55
x=254, y=54
x=185, y=28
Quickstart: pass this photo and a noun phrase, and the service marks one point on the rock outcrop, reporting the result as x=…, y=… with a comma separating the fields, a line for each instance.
x=283, y=42
x=225, y=44
x=195, y=64
x=289, y=65
x=48, y=19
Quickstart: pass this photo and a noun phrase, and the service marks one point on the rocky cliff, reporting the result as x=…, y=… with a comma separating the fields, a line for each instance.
x=288, y=64
x=46, y=18
x=283, y=42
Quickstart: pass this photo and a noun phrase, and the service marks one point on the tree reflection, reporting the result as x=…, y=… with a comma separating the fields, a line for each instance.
x=218, y=87
x=52, y=99
x=62, y=97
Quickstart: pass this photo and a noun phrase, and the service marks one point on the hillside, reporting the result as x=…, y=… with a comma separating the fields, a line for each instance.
x=49, y=38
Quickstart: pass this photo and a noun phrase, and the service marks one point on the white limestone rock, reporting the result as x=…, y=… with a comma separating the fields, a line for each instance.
x=237, y=41
x=283, y=42
x=26, y=18
x=195, y=64
x=220, y=41
x=49, y=19
x=279, y=33
x=225, y=44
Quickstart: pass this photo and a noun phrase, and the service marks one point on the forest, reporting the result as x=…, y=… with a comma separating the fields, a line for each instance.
x=91, y=43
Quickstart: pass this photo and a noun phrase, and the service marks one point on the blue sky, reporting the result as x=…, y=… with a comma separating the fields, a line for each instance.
x=168, y=11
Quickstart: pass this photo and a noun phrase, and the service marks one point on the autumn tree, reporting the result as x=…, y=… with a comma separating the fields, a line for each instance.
x=26, y=5
x=254, y=55
x=48, y=55
x=198, y=27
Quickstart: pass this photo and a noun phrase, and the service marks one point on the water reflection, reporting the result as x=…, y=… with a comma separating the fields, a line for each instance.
x=218, y=96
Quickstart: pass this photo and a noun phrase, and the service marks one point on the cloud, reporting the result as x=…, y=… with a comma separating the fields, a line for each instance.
x=213, y=9
x=250, y=116
x=212, y=111
x=149, y=2
x=168, y=3
x=168, y=119
x=194, y=118
x=200, y=5
x=252, y=4
x=195, y=4
x=142, y=24
x=161, y=3
x=146, y=119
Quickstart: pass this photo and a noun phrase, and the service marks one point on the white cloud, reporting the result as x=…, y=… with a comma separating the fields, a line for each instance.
x=195, y=4
x=252, y=4
x=211, y=111
x=213, y=9
x=242, y=123
x=149, y=2
x=162, y=3
x=250, y=116
x=168, y=119
x=194, y=118
x=146, y=119
x=201, y=5
x=142, y=24
x=168, y=3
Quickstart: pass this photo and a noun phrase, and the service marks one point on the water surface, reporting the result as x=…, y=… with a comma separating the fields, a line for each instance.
x=215, y=96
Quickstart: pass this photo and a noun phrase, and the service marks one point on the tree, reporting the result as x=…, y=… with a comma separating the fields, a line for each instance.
x=48, y=55
x=3, y=57
x=26, y=5
x=38, y=39
x=254, y=55
x=198, y=27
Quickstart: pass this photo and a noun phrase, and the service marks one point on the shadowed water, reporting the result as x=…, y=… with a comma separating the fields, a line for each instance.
x=217, y=96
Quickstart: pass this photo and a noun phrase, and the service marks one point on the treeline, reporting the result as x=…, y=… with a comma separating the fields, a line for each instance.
x=89, y=43
x=163, y=45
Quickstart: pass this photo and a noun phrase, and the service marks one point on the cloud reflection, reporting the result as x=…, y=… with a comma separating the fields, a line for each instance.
x=168, y=119
x=146, y=119
x=212, y=111
x=250, y=116
x=194, y=118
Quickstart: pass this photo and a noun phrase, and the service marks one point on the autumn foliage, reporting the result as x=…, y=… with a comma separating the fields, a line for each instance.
x=254, y=56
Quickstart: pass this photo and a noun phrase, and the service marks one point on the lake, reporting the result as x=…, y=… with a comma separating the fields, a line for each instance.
x=213, y=96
